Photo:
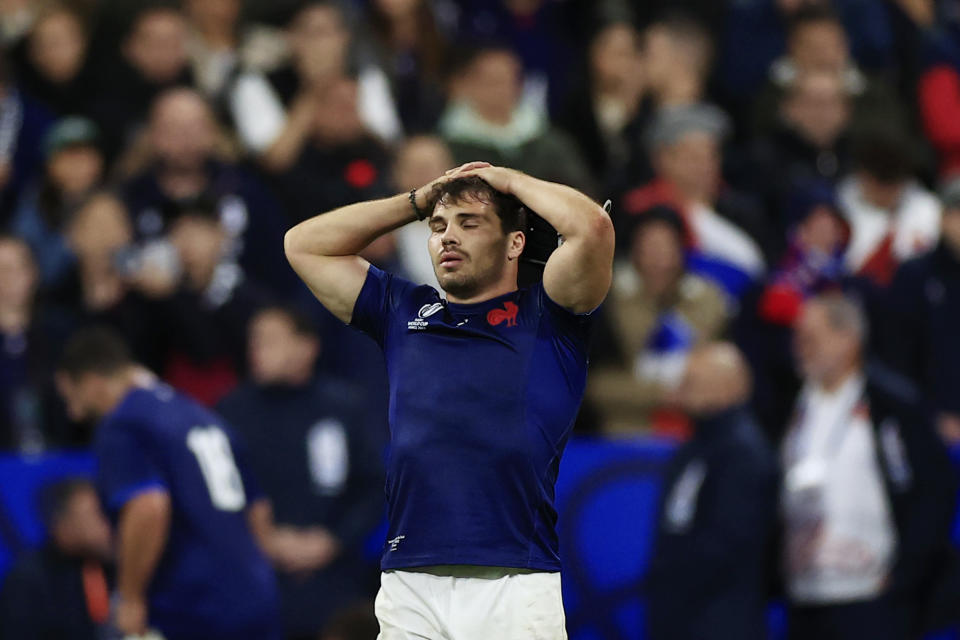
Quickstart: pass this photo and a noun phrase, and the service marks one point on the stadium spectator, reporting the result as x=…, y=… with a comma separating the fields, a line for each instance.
x=756, y=33
x=275, y=113
x=892, y=216
x=62, y=590
x=74, y=168
x=809, y=143
x=188, y=516
x=537, y=31
x=922, y=341
x=112, y=282
x=53, y=66
x=314, y=448
x=29, y=341
x=154, y=59
x=222, y=44
x=412, y=49
x=818, y=43
x=204, y=321
x=677, y=57
x=188, y=160
x=818, y=237
x=715, y=525
x=487, y=120
x=658, y=312
x=813, y=263
x=419, y=158
x=685, y=147
x=23, y=124
x=868, y=495
x=339, y=163
x=605, y=112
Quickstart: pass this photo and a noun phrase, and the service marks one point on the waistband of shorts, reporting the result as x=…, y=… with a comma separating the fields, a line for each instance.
x=469, y=571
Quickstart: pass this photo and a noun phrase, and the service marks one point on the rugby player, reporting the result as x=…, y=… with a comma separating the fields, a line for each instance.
x=188, y=515
x=485, y=383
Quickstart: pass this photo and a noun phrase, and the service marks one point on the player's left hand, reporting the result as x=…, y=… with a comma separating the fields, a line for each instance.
x=131, y=616
x=500, y=178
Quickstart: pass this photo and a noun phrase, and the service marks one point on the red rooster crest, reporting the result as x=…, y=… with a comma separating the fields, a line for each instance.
x=508, y=313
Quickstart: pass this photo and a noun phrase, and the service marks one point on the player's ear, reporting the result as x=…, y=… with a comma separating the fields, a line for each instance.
x=516, y=242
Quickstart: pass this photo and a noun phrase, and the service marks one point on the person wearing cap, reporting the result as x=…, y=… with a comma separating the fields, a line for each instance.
x=923, y=340
x=74, y=168
x=868, y=493
x=685, y=147
x=657, y=311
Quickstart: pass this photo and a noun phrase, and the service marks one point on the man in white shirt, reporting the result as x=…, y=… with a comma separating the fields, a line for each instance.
x=867, y=495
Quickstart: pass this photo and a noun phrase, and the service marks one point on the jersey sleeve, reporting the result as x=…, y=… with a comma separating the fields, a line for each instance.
x=125, y=466
x=381, y=296
x=574, y=329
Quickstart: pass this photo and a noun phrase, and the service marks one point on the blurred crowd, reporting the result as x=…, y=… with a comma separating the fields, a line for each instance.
x=758, y=154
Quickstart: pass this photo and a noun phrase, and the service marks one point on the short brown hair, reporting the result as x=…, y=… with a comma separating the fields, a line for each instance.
x=94, y=350
x=512, y=212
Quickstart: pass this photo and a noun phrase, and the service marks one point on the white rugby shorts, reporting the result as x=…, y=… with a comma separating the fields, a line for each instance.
x=413, y=605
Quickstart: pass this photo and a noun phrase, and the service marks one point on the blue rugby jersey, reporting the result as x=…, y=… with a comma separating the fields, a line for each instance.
x=212, y=580
x=482, y=400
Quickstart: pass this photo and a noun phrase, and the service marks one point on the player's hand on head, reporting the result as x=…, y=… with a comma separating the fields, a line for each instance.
x=425, y=193
x=500, y=178
x=467, y=166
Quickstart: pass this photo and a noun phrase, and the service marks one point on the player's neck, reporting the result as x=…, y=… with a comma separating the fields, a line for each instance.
x=136, y=377
x=488, y=293
x=506, y=284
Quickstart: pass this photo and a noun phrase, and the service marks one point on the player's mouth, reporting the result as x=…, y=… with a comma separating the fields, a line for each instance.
x=450, y=259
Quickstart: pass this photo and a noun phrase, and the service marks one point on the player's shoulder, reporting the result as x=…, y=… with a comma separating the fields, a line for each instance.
x=154, y=408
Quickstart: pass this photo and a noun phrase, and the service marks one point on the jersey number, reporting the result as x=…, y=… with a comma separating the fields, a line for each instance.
x=212, y=449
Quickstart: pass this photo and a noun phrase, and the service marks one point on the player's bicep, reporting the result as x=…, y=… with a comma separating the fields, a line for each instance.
x=578, y=274
x=336, y=281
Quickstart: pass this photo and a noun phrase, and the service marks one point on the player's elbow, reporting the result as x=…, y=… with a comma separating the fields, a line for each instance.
x=597, y=236
x=601, y=229
x=290, y=243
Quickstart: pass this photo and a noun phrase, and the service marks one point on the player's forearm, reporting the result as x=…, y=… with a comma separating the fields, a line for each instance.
x=143, y=529
x=348, y=230
x=572, y=213
x=260, y=517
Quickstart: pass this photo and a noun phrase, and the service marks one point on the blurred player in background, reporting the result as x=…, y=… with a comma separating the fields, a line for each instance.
x=187, y=514
x=484, y=388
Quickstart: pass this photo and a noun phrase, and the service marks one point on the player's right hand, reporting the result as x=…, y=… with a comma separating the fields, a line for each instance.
x=425, y=192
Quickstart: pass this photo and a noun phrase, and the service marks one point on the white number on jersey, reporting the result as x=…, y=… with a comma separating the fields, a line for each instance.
x=212, y=448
